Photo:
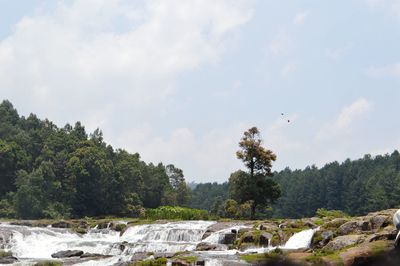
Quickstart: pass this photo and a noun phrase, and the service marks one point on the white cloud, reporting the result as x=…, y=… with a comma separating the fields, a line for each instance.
x=300, y=18
x=351, y=113
x=208, y=157
x=392, y=70
x=344, y=121
x=85, y=53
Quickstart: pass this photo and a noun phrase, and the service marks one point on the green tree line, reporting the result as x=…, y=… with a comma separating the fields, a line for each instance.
x=355, y=187
x=47, y=171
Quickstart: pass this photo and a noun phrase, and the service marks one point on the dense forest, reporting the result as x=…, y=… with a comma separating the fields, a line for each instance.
x=52, y=172
x=47, y=171
x=354, y=186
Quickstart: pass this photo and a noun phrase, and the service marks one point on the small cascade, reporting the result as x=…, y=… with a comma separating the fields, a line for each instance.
x=169, y=237
x=300, y=240
x=217, y=237
x=297, y=241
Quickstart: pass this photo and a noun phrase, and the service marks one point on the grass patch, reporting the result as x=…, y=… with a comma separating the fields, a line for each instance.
x=188, y=259
x=175, y=213
x=154, y=262
x=321, y=213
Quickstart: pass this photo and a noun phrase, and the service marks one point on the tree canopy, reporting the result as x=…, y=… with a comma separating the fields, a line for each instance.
x=255, y=187
x=47, y=171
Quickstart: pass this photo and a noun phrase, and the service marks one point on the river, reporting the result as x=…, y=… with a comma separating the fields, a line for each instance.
x=33, y=244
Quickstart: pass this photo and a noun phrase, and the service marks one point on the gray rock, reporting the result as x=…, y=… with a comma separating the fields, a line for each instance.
x=94, y=255
x=379, y=221
x=67, y=254
x=8, y=260
x=203, y=246
x=180, y=263
x=357, y=226
x=139, y=256
x=326, y=236
x=343, y=241
x=228, y=238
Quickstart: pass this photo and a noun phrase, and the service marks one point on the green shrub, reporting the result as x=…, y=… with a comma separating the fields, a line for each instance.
x=321, y=212
x=155, y=262
x=173, y=213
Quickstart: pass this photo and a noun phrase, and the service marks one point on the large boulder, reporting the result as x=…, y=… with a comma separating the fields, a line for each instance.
x=67, y=254
x=343, y=241
x=356, y=226
x=379, y=221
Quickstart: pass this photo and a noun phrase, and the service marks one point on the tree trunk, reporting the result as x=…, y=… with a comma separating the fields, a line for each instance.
x=253, y=211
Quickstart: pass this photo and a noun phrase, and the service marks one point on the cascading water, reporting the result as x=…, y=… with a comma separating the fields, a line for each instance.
x=41, y=243
x=33, y=243
x=300, y=240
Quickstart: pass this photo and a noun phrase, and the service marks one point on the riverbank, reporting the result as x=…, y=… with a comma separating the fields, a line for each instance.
x=326, y=240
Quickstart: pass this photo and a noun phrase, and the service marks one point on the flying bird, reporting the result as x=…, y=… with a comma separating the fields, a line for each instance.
x=288, y=121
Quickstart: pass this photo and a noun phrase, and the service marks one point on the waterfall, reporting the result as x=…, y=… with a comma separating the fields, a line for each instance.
x=34, y=243
x=216, y=237
x=300, y=240
x=40, y=243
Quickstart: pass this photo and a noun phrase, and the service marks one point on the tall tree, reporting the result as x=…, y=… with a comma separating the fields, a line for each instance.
x=255, y=187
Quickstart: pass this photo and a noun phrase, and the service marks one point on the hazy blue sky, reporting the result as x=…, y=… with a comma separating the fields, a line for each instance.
x=179, y=80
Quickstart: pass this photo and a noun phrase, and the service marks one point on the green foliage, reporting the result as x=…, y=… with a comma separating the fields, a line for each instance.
x=153, y=262
x=255, y=187
x=173, y=212
x=51, y=172
x=354, y=187
x=273, y=255
x=5, y=253
x=210, y=196
x=321, y=213
x=6, y=209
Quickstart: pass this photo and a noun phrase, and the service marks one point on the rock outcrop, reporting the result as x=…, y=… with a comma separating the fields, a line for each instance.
x=67, y=254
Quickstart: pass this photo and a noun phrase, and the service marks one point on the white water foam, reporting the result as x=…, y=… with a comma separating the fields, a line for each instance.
x=40, y=243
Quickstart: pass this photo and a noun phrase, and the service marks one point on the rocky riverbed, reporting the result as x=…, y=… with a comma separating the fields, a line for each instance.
x=365, y=240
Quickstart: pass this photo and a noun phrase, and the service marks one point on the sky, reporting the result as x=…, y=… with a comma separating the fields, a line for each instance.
x=179, y=81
